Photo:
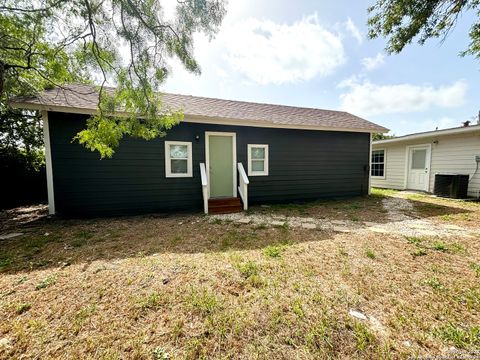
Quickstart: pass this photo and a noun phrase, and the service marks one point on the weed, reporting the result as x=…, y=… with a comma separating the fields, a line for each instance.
x=6, y=261
x=363, y=336
x=48, y=281
x=21, y=308
x=82, y=316
x=319, y=337
x=273, y=251
x=160, y=354
x=298, y=309
x=203, y=301
x=462, y=337
x=352, y=206
x=457, y=248
x=248, y=269
x=261, y=226
x=475, y=267
x=152, y=301
x=370, y=254
x=414, y=240
x=447, y=217
x=434, y=283
x=419, y=252
x=439, y=246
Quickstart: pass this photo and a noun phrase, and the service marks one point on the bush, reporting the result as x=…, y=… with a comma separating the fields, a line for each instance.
x=23, y=178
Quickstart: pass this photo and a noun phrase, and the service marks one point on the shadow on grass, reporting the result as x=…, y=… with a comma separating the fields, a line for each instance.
x=50, y=242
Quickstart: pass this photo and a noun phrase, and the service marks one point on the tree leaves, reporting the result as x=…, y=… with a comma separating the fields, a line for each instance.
x=402, y=21
x=123, y=42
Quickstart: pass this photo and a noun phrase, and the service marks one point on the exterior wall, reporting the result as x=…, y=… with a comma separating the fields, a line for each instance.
x=303, y=165
x=453, y=154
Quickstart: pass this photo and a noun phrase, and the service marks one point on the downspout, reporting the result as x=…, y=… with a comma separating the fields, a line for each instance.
x=370, y=166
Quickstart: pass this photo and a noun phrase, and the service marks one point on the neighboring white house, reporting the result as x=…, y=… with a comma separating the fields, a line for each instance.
x=411, y=161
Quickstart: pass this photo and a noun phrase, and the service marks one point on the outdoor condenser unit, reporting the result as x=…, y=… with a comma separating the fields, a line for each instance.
x=451, y=185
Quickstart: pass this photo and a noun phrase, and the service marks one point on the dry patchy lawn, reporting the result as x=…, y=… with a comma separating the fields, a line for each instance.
x=197, y=287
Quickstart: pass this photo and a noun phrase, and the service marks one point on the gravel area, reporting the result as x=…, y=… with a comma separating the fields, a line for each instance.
x=400, y=212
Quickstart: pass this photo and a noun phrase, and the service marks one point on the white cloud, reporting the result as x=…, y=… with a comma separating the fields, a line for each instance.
x=353, y=30
x=365, y=98
x=270, y=53
x=371, y=63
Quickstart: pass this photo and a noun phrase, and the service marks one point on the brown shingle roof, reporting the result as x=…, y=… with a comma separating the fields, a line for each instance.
x=84, y=98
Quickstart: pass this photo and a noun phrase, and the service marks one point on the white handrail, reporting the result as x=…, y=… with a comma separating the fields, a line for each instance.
x=203, y=176
x=243, y=186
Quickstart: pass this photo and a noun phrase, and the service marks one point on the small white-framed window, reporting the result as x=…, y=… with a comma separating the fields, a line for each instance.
x=257, y=160
x=178, y=159
x=378, y=163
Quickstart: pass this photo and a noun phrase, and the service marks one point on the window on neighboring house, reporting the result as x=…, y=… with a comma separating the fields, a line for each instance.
x=178, y=159
x=257, y=160
x=378, y=163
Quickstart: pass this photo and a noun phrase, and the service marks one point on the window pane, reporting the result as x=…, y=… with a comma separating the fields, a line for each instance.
x=178, y=151
x=418, y=159
x=258, y=165
x=378, y=156
x=377, y=169
x=258, y=153
x=179, y=166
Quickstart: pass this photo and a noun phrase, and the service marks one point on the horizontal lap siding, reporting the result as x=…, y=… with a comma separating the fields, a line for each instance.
x=303, y=165
x=456, y=154
x=394, y=168
x=452, y=154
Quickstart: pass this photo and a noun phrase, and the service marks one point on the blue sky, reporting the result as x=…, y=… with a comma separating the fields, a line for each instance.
x=316, y=54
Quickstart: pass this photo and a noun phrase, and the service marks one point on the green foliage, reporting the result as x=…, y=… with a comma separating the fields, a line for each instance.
x=402, y=21
x=274, y=251
x=48, y=281
x=21, y=308
x=49, y=43
x=380, y=136
x=461, y=337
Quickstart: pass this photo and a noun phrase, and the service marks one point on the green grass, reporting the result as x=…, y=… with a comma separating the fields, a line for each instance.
x=419, y=252
x=21, y=308
x=363, y=336
x=48, y=281
x=462, y=337
x=475, y=267
x=383, y=192
x=414, y=240
x=434, y=283
x=6, y=261
x=370, y=254
x=202, y=301
x=274, y=251
x=151, y=301
x=439, y=246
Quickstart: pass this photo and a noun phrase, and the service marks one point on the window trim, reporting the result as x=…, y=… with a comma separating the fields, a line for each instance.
x=251, y=172
x=384, y=164
x=168, y=160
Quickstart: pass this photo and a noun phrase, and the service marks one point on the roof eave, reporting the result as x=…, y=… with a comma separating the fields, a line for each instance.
x=418, y=136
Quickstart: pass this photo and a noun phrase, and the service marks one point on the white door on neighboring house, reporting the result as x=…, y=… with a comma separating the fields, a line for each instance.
x=418, y=167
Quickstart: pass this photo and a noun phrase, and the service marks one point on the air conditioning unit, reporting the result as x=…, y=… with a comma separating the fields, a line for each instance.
x=451, y=185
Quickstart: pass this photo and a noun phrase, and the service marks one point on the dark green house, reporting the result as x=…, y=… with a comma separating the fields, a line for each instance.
x=224, y=156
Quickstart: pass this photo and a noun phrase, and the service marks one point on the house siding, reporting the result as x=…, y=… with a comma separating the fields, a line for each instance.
x=453, y=154
x=303, y=165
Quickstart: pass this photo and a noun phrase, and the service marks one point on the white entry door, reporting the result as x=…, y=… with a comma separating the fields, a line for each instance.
x=418, y=170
